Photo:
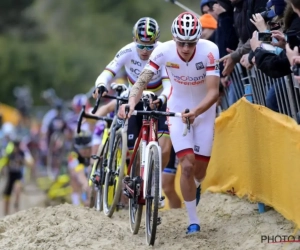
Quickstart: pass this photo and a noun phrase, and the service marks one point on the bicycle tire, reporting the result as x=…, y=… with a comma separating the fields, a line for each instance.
x=115, y=175
x=135, y=209
x=96, y=199
x=152, y=196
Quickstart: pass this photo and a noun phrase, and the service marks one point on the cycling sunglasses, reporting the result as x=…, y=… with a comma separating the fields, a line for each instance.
x=147, y=47
x=185, y=43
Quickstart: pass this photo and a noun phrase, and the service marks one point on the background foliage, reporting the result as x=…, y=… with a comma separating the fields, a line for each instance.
x=66, y=44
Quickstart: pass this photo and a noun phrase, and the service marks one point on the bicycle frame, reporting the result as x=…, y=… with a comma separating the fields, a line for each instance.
x=148, y=138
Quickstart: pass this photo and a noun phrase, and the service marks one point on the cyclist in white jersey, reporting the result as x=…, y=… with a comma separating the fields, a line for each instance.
x=134, y=57
x=192, y=65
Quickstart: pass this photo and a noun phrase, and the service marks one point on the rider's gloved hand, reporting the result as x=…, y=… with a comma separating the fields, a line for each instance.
x=122, y=113
x=101, y=89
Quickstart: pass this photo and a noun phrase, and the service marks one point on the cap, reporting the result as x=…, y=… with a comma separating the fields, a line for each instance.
x=208, y=22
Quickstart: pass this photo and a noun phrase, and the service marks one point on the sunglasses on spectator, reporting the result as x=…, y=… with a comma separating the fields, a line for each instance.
x=185, y=43
x=147, y=47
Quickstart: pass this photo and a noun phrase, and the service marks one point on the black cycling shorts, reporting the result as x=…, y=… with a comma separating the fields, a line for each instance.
x=171, y=168
x=12, y=178
x=135, y=124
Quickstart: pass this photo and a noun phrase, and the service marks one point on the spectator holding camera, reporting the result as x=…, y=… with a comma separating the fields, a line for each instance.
x=267, y=22
x=268, y=62
x=243, y=11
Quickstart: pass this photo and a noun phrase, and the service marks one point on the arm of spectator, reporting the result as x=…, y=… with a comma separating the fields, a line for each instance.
x=280, y=37
x=245, y=61
x=291, y=53
x=254, y=42
x=272, y=65
x=259, y=22
x=240, y=51
x=228, y=63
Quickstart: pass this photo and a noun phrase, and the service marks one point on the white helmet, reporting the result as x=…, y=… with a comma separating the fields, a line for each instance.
x=186, y=27
x=8, y=129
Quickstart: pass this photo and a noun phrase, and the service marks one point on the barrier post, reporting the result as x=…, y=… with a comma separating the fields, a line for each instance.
x=249, y=97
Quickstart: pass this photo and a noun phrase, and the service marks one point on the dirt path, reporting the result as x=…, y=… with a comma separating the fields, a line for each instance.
x=226, y=223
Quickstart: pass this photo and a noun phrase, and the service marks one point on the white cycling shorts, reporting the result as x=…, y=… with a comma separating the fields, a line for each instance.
x=200, y=138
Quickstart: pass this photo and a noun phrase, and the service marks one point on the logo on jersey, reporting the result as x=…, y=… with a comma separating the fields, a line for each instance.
x=158, y=56
x=199, y=65
x=189, y=80
x=122, y=52
x=197, y=149
x=130, y=137
x=136, y=63
x=172, y=65
x=211, y=58
x=135, y=71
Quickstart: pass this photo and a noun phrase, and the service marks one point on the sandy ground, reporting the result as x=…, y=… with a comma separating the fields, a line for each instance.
x=227, y=222
x=31, y=196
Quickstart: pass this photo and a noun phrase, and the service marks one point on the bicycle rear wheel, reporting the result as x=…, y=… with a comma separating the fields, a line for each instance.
x=135, y=209
x=98, y=177
x=152, y=196
x=114, y=175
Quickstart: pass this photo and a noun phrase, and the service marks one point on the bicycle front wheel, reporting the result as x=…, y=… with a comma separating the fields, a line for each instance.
x=152, y=196
x=114, y=175
x=98, y=177
x=135, y=209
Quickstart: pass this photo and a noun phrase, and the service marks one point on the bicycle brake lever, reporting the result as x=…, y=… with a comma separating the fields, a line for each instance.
x=127, y=108
x=188, y=125
x=82, y=113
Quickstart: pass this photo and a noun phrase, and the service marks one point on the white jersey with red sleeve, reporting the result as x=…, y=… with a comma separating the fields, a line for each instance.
x=128, y=58
x=188, y=89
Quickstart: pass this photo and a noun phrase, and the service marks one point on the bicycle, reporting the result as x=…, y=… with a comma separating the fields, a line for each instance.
x=109, y=163
x=143, y=186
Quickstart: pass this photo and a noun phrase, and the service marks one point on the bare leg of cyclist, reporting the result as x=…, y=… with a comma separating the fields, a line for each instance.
x=192, y=171
x=6, y=203
x=75, y=196
x=165, y=143
x=200, y=168
x=107, y=108
x=168, y=181
x=168, y=185
x=187, y=184
x=17, y=191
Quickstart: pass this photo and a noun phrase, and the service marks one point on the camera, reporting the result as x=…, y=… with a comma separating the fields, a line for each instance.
x=296, y=69
x=265, y=37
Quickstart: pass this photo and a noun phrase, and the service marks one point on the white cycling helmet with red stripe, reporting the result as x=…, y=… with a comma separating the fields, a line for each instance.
x=186, y=27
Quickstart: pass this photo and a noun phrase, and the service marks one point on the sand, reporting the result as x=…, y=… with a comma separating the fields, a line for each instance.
x=227, y=222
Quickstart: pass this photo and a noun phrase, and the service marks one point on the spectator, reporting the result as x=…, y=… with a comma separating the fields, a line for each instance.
x=269, y=63
x=243, y=10
x=225, y=37
x=209, y=25
x=206, y=7
x=273, y=64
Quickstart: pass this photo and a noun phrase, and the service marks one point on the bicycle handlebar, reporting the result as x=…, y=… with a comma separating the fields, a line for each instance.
x=108, y=97
x=85, y=115
x=161, y=113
